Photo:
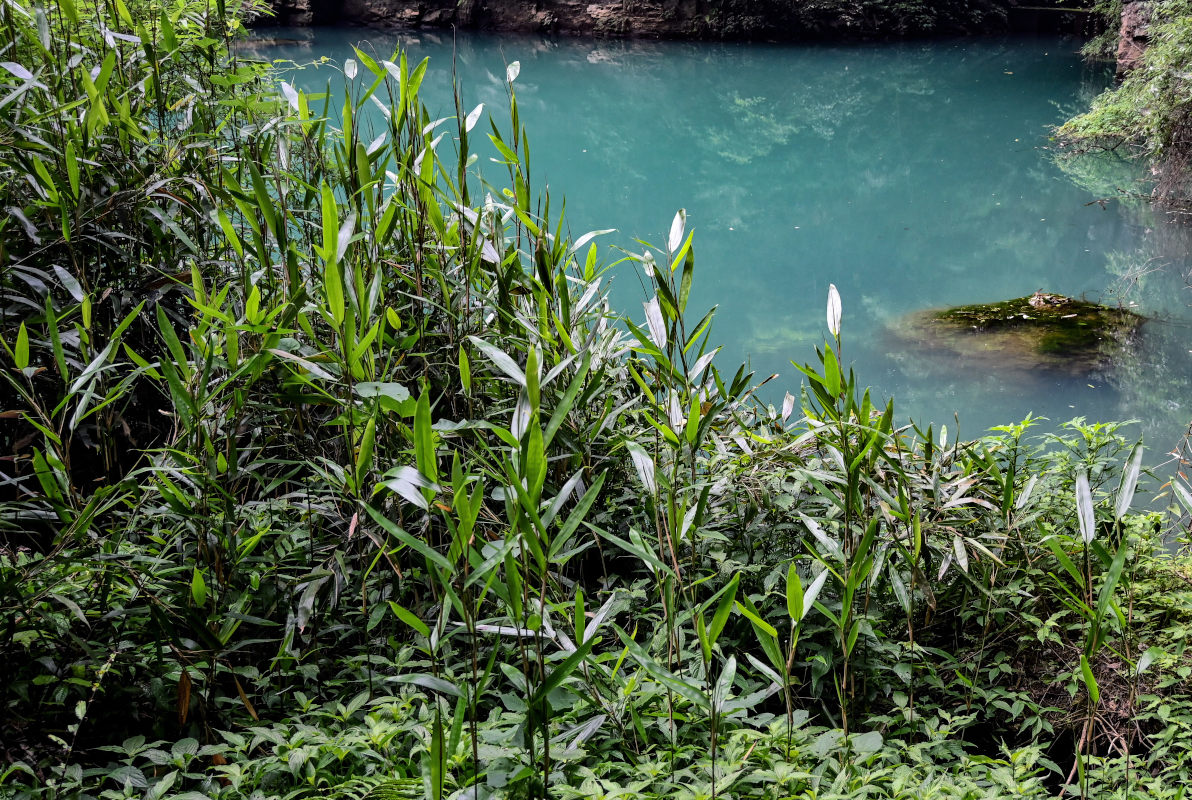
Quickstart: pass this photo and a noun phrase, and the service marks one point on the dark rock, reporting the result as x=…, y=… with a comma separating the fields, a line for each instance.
x=670, y=19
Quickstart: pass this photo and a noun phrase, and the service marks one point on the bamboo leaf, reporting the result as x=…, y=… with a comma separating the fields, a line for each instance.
x=1129, y=481
x=473, y=118
x=21, y=351
x=723, y=609
x=424, y=446
x=794, y=593
x=501, y=360
x=757, y=622
x=676, y=230
x=1084, y=508
x=833, y=311
x=812, y=592
x=410, y=619
x=1090, y=681
x=198, y=588
x=560, y=673
x=415, y=544
x=655, y=323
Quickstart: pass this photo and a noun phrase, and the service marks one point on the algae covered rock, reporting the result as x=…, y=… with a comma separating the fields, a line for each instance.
x=1042, y=330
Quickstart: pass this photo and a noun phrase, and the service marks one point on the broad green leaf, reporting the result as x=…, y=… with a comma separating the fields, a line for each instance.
x=198, y=588
x=424, y=447
x=21, y=351
x=723, y=608
x=794, y=593
x=412, y=542
x=559, y=673
x=410, y=619
x=1090, y=681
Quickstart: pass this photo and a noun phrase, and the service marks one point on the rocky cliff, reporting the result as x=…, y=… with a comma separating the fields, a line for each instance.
x=1133, y=35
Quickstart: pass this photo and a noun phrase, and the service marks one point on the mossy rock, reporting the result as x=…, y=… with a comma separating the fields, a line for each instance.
x=1042, y=330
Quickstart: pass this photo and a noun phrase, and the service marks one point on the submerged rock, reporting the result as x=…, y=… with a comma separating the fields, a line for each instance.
x=1047, y=331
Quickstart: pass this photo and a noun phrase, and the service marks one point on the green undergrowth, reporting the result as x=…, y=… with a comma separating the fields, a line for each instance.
x=330, y=472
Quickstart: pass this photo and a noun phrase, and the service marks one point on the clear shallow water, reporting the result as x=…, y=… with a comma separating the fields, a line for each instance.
x=912, y=176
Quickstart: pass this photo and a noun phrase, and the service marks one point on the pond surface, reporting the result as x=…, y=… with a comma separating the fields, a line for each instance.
x=913, y=176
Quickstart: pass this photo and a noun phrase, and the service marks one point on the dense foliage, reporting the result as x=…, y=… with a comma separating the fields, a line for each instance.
x=329, y=472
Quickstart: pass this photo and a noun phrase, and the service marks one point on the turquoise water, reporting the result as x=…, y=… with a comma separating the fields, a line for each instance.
x=913, y=176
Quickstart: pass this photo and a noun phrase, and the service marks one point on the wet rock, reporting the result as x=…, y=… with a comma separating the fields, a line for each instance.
x=1040, y=331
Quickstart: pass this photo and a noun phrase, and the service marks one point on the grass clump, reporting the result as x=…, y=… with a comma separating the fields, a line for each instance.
x=332, y=473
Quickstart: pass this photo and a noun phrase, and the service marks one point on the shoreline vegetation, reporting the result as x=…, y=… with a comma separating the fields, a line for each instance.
x=327, y=474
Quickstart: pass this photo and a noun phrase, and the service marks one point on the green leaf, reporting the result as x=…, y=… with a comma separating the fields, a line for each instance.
x=685, y=281
x=723, y=609
x=661, y=674
x=428, y=682
x=410, y=619
x=559, y=673
x=424, y=447
x=760, y=624
x=1065, y=561
x=831, y=373
x=535, y=462
x=415, y=544
x=866, y=743
x=21, y=351
x=465, y=370
x=198, y=588
x=794, y=593
x=577, y=514
x=1090, y=682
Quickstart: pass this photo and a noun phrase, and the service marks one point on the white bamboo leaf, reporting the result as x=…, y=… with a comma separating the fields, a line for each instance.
x=291, y=96
x=961, y=553
x=17, y=69
x=1084, y=508
x=501, y=360
x=1129, y=481
x=407, y=483
x=473, y=118
x=309, y=366
x=521, y=415
x=655, y=323
x=812, y=592
x=829, y=544
x=676, y=231
x=702, y=364
x=644, y=466
x=587, y=237
x=1025, y=497
x=788, y=406
x=833, y=310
